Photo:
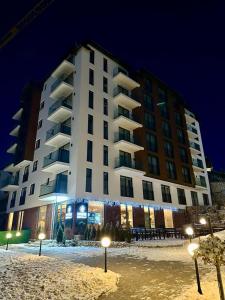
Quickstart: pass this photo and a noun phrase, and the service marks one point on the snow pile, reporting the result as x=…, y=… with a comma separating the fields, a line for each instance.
x=24, y=277
x=160, y=243
x=209, y=289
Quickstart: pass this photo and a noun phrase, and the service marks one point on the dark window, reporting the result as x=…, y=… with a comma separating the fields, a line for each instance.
x=148, y=193
x=180, y=136
x=181, y=196
x=37, y=144
x=148, y=103
x=153, y=165
x=105, y=64
x=149, y=121
x=205, y=199
x=89, y=150
x=105, y=155
x=183, y=155
x=26, y=174
x=168, y=149
x=90, y=124
x=106, y=183
x=171, y=170
x=13, y=199
x=88, y=180
x=151, y=142
x=105, y=85
x=35, y=165
x=91, y=100
x=166, y=196
x=125, y=159
x=40, y=124
x=148, y=85
x=163, y=110
x=186, y=174
x=124, y=134
x=162, y=95
x=194, y=197
x=92, y=57
x=105, y=106
x=32, y=188
x=178, y=119
x=42, y=105
x=23, y=196
x=91, y=77
x=166, y=129
x=126, y=186
x=106, y=129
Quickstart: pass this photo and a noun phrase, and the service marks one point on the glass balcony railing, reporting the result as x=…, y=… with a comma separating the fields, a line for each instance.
x=120, y=162
x=59, y=185
x=200, y=181
x=198, y=163
x=190, y=114
x=119, y=89
x=62, y=102
x=60, y=155
x=59, y=128
x=195, y=146
x=68, y=80
x=118, y=70
x=192, y=129
x=11, y=180
x=125, y=137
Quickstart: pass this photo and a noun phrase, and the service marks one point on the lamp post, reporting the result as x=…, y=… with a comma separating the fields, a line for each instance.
x=41, y=237
x=190, y=232
x=8, y=237
x=18, y=234
x=207, y=220
x=105, y=243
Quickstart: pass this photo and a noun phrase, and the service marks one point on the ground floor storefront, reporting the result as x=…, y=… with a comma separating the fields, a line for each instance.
x=74, y=217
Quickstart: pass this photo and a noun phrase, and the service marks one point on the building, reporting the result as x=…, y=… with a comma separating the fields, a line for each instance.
x=217, y=185
x=111, y=145
x=4, y=178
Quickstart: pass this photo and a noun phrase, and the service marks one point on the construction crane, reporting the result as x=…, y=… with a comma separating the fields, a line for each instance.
x=26, y=20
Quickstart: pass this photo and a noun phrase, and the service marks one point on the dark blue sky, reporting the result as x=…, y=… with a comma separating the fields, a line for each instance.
x=182, y=42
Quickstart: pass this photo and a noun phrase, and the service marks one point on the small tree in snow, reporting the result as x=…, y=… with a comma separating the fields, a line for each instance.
x=212, y=251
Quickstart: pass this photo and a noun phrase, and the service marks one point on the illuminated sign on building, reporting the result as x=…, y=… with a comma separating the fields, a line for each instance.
x=82, y=212
x=69, y=212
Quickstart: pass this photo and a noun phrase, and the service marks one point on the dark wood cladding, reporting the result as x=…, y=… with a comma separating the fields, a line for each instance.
x=175, y=104
x=30, y=220
x=159, y=218
x=112, y=214
x=138, y=217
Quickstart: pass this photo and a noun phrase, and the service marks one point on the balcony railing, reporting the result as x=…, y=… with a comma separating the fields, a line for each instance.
x=60, y=155
x=11, y=180
x=62, y=102
x=118, y=70
x=68, y=80
x=119, y=89
x=192, y=129
x=200, y=181
x=128, y=115
x=59, y=128
x=128, y=138
x=120, y=162
x=59, y=185
x=197, y=163
x=195, y=146
x=190, y=113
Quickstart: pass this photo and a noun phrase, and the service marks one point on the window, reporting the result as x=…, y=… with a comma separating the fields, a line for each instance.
x=13, y=199
x=39, y=124
x=32, y=188
x=180, y=136
x=151, y=142
x=105, y=85
x=124, y=134
x=183, y=155
x=88, y=180
x=35, y=165
x=171, y=170
x=186, y=174
x=148, y=193
x=37, y=144
x=23, y=196
x=125, y=159
x=149, y=121
x=90, y=124
x=92, y=57
x=153, y=165
x=106, y=129
x=148, y=103
x=105, y=106
x=89, y=150
x=91, y=100
x=105, y=155
x=194, y=197
x=106, y=183
x=205, y=199
x=178, y=119
x=148, y=85
x=166, y=196
x=126, y=186
x=181, y=196
x=162, y=95
x=105, y=65
x=164, y=110
x=26, y=174
x=91, y=77
x=42, y=105
x=168, y=149
x=166, y=129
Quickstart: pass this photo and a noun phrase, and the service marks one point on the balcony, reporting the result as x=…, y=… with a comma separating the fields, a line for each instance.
x=55, y=190
x=190, y=117
x=60, y=110
x=126, y=143
x=12, y=149
x=10, y=184
x=121, y=78
x=56, y=162
x=126, y=120
x=65, y=68
x=200, y=182
x=128, y=168
x=62, y=88
x=18, y=115
x=121, y=97
x=15, y=131
x=197, y=165
x=58, y=136
x=195, y=148
x=11, y=168
x=192, y=132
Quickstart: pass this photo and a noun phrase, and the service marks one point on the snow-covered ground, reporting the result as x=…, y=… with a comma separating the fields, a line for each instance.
x=30, y=277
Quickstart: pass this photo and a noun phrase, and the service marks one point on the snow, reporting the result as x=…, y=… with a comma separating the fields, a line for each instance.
x=27, y=276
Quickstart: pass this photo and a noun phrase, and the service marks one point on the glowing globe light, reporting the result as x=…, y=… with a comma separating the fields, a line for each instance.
x=189, y=231
x=41, y=236
x=105, y=242
x=202, y=221
x=192, y=248
x=18, y=233
x=8, y=235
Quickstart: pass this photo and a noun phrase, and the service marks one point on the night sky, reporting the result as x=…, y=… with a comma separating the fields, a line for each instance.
x=181, y=42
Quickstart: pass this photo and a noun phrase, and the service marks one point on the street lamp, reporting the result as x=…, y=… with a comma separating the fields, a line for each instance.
x=202, y=221
x=18, y=234
x=192, y=247
x=189, y=231
x=105, y=243
x=41, y=237
x=8, y=237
